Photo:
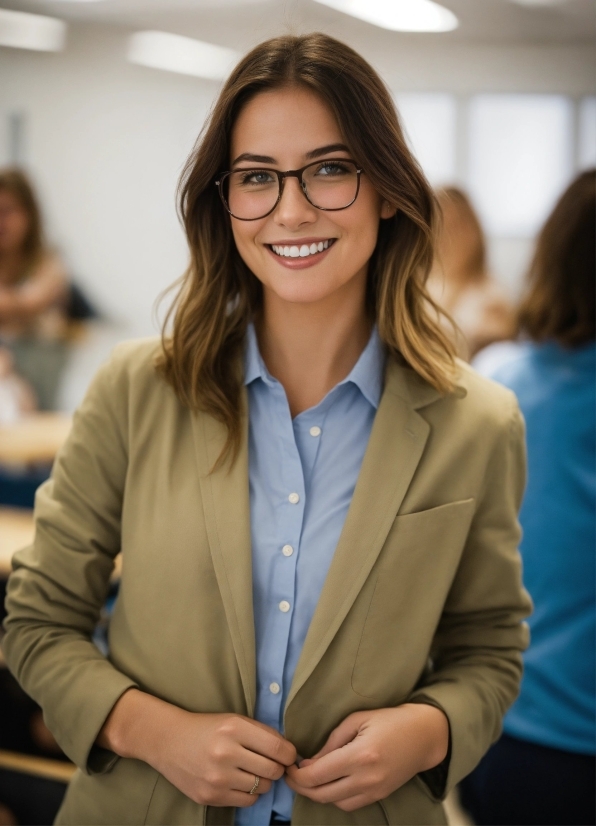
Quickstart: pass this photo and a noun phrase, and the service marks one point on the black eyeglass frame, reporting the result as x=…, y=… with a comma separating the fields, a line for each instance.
x=281, y=177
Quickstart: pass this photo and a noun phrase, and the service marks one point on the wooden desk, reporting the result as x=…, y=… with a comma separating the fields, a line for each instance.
x=34, y=439
x=16, y=531
x=56, y=770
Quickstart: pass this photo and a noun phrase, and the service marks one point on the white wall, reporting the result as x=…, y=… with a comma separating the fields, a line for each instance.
x=105, y=142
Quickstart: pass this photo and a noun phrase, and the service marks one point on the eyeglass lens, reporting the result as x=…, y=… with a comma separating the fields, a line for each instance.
x=253, y=193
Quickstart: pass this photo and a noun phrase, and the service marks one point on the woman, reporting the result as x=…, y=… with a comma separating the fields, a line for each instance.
x=460, y=282
x=320, y=605
x=33, y=289
x=542, y=769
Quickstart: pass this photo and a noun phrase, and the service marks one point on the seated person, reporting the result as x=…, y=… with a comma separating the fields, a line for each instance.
x=33, y=290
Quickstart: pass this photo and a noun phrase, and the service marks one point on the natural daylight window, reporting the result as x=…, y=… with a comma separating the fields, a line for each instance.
x=429, y=120
x=587, y=133
x=520, y=159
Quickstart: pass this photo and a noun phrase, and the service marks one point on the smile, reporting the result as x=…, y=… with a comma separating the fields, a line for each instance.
x=302, y=251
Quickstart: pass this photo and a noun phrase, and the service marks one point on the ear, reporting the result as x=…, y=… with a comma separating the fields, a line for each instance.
x=387, y=210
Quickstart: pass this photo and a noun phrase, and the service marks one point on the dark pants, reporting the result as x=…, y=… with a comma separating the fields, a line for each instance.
x=522, y=784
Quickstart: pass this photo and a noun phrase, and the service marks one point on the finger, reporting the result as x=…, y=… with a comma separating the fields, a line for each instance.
x=350, y=804
x=342, y=735
x=302, y=764
x=339, y=763
x=240, y=800
x=266, y=741
x=253, y=763
x=338, y=790
x=244, y=782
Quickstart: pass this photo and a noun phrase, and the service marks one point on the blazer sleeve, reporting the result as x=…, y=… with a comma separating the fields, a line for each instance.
x=476, y=655
x=59, y=583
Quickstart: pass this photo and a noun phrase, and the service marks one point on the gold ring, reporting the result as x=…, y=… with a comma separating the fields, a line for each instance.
x=255, y=785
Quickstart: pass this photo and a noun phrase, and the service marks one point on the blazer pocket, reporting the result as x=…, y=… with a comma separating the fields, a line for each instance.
x=414, y=573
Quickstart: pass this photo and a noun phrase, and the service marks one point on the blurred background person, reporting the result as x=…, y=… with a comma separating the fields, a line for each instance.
x=460, y=282
x=33, y=290
x=16, y=396
x=542, y=769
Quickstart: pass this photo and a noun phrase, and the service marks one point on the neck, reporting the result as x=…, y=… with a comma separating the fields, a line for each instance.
x=310, y=348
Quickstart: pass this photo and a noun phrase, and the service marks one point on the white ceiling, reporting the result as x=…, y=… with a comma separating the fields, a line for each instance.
x=241, y=23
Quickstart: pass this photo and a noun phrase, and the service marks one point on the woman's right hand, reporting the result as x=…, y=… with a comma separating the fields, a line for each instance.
x=211, y=758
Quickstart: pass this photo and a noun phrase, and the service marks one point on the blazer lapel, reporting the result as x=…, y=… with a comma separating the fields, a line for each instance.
x=394, y=450
x=225, y=495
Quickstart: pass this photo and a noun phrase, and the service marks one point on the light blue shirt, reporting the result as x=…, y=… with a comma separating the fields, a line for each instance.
x=556, y=389
x=302, y=475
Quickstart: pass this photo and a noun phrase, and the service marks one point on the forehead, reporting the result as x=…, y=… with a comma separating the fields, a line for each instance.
x=283, y=122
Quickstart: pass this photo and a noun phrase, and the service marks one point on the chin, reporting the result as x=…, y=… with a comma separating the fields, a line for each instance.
x=298, y=289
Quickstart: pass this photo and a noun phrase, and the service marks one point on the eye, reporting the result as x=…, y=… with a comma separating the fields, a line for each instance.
x=255, y=177
x=333, y=169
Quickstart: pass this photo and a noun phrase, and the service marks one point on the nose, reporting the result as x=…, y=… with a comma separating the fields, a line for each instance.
x=293, y=209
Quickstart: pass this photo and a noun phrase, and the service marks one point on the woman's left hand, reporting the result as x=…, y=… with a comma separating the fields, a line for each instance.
x=371, y=754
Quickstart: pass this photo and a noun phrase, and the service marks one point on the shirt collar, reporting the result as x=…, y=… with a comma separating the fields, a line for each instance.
x=367, y=373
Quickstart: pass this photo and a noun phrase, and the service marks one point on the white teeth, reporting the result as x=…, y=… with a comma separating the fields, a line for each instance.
x=303, y=251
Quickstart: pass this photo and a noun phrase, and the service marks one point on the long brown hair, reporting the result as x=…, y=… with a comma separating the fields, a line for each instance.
x=560, y=302
x=452, y=198
x=219, y=295
x=15, y=182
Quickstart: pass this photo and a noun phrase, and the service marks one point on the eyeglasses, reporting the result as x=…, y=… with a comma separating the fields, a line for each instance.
x=250, y=194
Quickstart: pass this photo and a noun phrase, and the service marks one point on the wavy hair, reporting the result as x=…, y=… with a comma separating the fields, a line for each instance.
x=15, y=182
x=218, y=295
x=560, y=302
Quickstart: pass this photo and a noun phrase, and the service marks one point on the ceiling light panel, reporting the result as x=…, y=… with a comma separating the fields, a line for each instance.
x=537, y=3
x=21, y=30
x=398, y=15
x=175, y=53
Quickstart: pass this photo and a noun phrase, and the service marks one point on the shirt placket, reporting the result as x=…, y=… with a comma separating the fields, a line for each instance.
x=288, y=527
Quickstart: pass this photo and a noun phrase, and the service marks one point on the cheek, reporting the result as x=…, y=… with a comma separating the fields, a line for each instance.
x=244, y=234
x=17, y=226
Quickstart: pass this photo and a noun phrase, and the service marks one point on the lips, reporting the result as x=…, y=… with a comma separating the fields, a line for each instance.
x=303, y=250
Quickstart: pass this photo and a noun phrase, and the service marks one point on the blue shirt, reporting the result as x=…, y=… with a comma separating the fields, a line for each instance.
x=557, y=395
x=302, y=475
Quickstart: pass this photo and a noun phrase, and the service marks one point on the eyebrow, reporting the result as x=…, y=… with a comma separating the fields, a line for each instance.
x=315, y=153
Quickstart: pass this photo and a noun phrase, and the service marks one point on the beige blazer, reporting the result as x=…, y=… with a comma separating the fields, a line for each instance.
x=423, y=598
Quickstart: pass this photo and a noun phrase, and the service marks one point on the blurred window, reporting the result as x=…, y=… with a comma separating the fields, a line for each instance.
x=587, y=133
x=520, y=159
x=429, y=120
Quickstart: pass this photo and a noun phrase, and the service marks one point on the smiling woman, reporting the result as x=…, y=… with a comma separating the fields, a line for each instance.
x=320, y=613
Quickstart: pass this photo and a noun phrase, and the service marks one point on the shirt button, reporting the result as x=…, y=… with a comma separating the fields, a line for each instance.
x=287, y=550
x=315, y=431
x=274, y=688
x=294, y=498
x=284, y=606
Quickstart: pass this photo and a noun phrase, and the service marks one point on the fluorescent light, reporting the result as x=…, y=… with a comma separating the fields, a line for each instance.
x=31, y=31
x=175, y=53
x=398, y=15
x=539, y=2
